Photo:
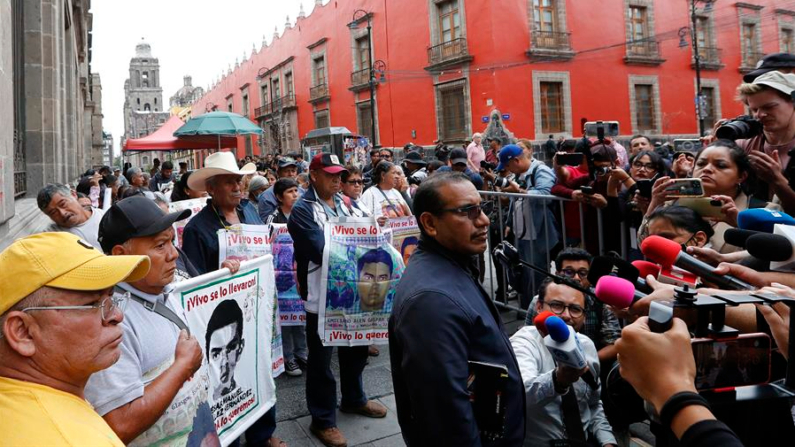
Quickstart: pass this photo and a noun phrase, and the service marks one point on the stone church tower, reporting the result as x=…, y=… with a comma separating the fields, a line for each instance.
x=143, y=103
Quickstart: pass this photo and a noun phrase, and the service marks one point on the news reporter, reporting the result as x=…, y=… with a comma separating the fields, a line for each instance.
x=660, y=366
x=724, y=169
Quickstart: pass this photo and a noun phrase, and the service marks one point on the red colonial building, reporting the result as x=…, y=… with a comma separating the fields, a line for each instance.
x=442, y=66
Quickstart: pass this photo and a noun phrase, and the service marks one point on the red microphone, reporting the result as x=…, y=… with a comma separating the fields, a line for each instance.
x=668, y=253
x=617, y=292
x=646, y=268
x=540, y=320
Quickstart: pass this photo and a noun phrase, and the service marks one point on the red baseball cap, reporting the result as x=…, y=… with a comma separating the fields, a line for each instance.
x=327, y=162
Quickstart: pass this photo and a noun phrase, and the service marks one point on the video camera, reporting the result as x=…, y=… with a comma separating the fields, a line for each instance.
x=741, y=128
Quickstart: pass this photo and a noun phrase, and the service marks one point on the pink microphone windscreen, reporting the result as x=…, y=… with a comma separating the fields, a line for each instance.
x=615, y=291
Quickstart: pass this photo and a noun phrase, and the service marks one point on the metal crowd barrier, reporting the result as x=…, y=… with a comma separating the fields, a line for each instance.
x=502, y=301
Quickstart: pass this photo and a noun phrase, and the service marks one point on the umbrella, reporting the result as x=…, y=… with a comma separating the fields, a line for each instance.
x=218, y=123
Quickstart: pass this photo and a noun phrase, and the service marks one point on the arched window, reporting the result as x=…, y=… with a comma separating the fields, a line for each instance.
x=147, y=107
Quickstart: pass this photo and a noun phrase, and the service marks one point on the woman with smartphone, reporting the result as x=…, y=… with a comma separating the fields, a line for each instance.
x=721, y=174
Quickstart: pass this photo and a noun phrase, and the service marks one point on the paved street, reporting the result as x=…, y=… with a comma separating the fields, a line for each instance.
x=293, y=416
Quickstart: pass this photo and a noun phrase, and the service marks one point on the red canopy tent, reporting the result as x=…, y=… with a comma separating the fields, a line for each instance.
x=163, y=139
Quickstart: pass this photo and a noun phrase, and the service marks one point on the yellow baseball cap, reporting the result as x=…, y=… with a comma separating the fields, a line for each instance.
x=63, y=261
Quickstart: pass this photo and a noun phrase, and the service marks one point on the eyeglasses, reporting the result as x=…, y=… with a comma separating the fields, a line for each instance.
x=106, y=307
x=472, y=211
x=558, y=308
x=355, y=182
x=387, y=156
x=646, y=166
x=569, y=273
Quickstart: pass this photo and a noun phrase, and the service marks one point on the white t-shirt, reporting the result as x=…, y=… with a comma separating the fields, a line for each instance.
x=379, y=203
x=88, y=230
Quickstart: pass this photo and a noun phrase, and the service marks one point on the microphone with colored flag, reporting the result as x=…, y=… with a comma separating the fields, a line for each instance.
x=667, y=253
x=564, y=346
x=762, y=219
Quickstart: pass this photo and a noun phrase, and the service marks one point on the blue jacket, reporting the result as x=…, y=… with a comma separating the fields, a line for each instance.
x=267, y=203
x=200, y=237
x=442, y=318
x=529, y=215
x=476, y=179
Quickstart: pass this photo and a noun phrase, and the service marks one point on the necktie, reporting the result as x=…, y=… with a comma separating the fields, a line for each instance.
x=571, y=419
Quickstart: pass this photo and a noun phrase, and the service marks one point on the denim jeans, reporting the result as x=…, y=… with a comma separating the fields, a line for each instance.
x=294, y=342
x=260, y=431
x=321, y=387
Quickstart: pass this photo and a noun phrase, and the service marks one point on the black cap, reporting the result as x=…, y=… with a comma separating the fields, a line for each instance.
x=769, y=63
x=415, y=157
x=134, y=217
x=458, y=156
x=286, y=161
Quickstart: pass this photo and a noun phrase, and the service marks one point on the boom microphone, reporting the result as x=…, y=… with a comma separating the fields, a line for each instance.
x=738, y=236
x=564, y=346
x=770, y=247
x=667, y=253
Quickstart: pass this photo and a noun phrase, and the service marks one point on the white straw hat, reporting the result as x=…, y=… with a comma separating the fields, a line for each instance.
x=219, y=163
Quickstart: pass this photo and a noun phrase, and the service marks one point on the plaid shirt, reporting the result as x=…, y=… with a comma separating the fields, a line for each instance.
x=601, y=324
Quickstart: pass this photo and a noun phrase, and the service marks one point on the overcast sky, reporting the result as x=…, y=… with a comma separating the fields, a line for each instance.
x=198, y=38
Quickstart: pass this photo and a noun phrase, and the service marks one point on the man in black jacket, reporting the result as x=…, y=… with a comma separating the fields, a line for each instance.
x=443, y=319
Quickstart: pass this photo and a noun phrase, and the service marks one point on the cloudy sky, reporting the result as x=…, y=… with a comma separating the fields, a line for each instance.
x=198, y=38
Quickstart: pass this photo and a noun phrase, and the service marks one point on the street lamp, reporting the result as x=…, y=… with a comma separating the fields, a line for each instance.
x=358, y=16
x=700, y=100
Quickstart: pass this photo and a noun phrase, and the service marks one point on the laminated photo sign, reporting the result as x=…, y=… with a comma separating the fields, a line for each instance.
x=360, y=273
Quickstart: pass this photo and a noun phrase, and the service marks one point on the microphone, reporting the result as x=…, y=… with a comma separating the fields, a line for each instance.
x=762, y=219
x=564, y=346
x=778, y=248
x=667, y=253
x=539, y=320
x=609, y=265
x=737, y=236
x=645, y=268
x=617, y=292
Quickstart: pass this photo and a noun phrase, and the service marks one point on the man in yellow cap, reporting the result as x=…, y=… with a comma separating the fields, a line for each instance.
x=59, y=324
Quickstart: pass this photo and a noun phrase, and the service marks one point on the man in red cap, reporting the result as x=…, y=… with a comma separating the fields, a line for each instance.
x=320, y=203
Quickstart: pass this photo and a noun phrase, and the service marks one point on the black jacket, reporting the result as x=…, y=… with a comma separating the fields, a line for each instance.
x=442, y=319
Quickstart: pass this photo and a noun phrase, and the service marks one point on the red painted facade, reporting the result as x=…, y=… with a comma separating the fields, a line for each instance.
x=500, y=73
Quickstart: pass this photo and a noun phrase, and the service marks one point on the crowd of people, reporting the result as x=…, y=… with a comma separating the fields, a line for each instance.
x=82, y=378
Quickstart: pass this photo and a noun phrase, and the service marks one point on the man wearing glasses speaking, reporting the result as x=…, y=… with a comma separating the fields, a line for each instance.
x=59, y=324
x=560, y=406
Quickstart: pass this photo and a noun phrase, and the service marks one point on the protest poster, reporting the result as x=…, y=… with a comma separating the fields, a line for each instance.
x=232, y=317
x=405, y=236
x=245, y=242
x=358, y=280
x=195, y=205
x=291, y=306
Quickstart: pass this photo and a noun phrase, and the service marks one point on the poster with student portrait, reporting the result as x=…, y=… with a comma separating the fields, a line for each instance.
x=195, y=205
x=291, y=306
x=360, y=272
x=244, y=242
x=405, y=236
x=232, y=317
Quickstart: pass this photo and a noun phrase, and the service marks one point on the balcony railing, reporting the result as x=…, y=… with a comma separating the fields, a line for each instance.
x=448, y=51
x=283, y=103
x=643, y=52
x=750, y=58
x=318, y=92
x=360, y=78
x=709, y=58
x=642, y=48
x=551, y=40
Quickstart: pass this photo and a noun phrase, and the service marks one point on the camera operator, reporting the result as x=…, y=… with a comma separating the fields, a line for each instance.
x=414, y=168
x=533, y=223
x=661, y=366
x=769, y=98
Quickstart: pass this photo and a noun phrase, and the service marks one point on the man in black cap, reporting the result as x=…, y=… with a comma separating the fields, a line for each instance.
x=783, y=62
x=266, y=202
x=158, y=357
x=414, y=166
x=458, y=162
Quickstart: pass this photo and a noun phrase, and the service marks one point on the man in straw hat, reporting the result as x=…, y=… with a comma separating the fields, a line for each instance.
x=60, y=324
x=221, y=178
